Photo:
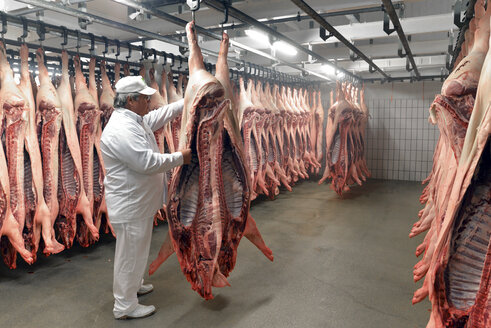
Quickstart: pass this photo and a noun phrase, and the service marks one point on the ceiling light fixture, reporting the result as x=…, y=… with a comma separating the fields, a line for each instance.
x=285, y=48
x=328, y=69
x=260, y=37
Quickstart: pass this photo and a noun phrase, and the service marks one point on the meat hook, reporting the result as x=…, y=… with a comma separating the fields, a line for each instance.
x=129, y=51
x=118, y=49
x=104, y=52
x=65, y=37
x=25, y=30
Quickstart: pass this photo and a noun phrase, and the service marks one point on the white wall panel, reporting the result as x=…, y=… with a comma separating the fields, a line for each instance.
x=400, y=140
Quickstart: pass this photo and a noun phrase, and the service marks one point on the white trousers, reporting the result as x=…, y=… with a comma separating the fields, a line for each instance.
x=130, y=260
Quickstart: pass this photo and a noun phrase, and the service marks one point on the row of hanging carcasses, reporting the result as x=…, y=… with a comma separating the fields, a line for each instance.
x=53, y=172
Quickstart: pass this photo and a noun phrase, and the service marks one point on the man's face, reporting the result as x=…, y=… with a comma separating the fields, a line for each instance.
x=140, y=105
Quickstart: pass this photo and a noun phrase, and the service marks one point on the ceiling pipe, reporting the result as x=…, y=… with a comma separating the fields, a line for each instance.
x=389, y=8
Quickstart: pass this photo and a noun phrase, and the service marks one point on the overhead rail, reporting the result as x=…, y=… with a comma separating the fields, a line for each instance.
x=464, y=26
x=233, y=12
x=124, y=27
x=149, y=9
x=333, y=32
x=42, y=28
x=441, y=77
x=389, y=9
x=298, y=17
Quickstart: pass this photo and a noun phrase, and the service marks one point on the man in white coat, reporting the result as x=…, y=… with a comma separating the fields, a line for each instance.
x=135, y=186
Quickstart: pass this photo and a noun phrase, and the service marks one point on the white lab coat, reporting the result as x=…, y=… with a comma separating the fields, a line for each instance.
x=135, y=183
x=135, y=188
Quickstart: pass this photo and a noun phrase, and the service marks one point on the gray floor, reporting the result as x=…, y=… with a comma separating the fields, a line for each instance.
x=339, y=262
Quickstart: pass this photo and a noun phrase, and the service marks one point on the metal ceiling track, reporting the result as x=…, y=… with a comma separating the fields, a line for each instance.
x=104, y=21
x=464, y=26
x=149, y=9
x=407, y=78
x=218, y=5
x=389, y=9
x=298, y=18
x=41, y=28
x=333, y=32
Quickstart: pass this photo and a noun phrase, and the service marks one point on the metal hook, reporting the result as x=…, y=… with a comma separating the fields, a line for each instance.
x=106, y=45
x=154, y=56
x=25, y=30
x=194, y=6
x=165, y=58
x=65, y=37
x=41, y=31
x=92, y=44
x=226, y=4
x=180, y=63
x=129, y=51
x=142, y=52
x=79, y=40
x=172, y=59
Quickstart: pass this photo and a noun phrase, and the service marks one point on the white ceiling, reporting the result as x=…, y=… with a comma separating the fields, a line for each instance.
x=428, y=22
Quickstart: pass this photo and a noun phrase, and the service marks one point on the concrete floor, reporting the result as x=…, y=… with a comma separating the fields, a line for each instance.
x=339, y=262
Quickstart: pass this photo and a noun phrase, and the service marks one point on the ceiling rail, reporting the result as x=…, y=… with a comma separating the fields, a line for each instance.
x=333, y=32
x=389, y=9
x=233, y=12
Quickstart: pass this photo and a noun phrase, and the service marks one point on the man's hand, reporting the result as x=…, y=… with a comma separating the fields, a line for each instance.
x=186, y=156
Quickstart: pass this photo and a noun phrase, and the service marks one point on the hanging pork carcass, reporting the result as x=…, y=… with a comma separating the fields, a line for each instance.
x=210, y=198
x=456, y=264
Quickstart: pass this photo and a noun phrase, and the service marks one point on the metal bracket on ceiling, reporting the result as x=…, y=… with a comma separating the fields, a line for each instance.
x=387, y=28
x=323, y=34
x=82, y=22
x=371, y=69
x=408, y=65
x=183, y=50
x=457, y=9
x=41, y=31
x=353, y=56
x=400, y=52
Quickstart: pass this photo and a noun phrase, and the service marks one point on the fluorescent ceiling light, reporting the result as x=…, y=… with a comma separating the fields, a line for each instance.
x=328, y=69
x=285, y=48
x=260, y=37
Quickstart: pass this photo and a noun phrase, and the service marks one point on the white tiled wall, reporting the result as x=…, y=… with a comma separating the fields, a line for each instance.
x=400, y=140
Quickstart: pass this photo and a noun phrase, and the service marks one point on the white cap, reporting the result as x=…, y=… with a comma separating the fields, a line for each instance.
x=129, y=84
